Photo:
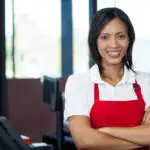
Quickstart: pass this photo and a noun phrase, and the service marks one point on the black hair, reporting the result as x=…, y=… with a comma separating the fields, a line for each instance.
x=100, y=19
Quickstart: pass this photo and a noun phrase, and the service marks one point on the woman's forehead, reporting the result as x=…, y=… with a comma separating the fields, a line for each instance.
x=114, y=26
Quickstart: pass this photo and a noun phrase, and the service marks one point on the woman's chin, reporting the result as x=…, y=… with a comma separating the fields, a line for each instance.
x=114, y=62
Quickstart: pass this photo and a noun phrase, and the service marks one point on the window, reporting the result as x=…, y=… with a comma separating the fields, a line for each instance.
x=38, y=39
x=80, y=11
x=9, y=34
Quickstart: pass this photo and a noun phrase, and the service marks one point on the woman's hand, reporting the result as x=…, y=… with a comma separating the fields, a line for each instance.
x=146, y=118
x=105, y=130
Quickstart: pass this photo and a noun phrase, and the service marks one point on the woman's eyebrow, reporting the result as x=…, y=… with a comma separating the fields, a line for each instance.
x=121, y=32
x=104, y=33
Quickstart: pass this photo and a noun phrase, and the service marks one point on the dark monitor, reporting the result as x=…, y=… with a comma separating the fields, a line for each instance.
x=51, y=94
x=9, y=138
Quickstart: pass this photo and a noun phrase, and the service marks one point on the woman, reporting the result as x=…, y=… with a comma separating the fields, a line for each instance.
x=105, y=106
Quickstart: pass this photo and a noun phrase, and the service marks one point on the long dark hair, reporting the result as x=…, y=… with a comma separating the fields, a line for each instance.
x=100, y=19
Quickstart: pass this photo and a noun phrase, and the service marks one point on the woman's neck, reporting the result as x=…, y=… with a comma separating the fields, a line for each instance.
x=113, y=73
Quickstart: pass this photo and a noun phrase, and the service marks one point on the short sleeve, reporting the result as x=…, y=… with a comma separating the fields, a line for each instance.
x=75, y=97
x=147, y=89
x=144, y=81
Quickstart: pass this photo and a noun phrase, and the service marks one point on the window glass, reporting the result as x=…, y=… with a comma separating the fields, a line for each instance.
x=37, y=41
x=9, y=34
x=80, y=12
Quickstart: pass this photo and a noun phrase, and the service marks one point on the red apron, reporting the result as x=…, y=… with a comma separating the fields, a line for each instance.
x=117, y=113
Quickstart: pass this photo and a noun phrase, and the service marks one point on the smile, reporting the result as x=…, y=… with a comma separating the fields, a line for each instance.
x=114, y=54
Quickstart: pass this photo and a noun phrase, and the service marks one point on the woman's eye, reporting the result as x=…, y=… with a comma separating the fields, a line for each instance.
x=122, y=37
x=104, y=37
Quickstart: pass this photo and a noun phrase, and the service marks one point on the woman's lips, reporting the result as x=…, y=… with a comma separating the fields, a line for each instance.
x=114, y=54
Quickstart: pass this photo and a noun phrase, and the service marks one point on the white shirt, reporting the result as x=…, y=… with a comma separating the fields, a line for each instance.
x=79, y=90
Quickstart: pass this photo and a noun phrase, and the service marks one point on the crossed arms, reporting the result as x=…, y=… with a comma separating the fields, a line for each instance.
x=113, y=138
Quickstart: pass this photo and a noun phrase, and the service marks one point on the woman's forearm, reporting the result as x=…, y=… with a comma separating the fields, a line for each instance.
x=95, y=140
x=138, y=135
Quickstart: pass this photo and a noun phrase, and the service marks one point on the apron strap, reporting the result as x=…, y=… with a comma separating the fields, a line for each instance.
x=137, y=90
x=96, y=93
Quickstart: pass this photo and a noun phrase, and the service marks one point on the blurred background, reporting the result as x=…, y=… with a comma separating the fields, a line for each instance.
x=50, y=37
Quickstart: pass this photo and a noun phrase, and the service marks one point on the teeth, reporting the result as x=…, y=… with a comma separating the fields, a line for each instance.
x=114, y=53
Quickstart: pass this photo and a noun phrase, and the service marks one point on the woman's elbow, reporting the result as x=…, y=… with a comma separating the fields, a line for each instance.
x=83, y=143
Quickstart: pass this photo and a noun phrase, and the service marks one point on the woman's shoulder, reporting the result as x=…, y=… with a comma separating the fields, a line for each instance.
x=79, y=79
x=143, y=76
x=143, y=79
x=79, y=76
x=87, y=77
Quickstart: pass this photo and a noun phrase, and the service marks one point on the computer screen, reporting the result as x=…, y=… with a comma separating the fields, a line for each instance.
x=9, y=138
x=51, y=92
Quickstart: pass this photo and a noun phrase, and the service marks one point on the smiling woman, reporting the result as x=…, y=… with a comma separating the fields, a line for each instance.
x=113, y=41
x=105, y=106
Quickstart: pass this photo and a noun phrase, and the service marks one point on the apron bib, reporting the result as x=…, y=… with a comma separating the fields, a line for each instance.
x=117, y=113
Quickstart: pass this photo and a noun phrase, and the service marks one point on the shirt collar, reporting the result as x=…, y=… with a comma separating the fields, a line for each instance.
x=128, y=77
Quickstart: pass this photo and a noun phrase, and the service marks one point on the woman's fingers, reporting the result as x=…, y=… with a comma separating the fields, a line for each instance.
x=146, y=118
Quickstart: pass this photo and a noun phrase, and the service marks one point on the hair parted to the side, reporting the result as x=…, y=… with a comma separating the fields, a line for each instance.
x=100, y=19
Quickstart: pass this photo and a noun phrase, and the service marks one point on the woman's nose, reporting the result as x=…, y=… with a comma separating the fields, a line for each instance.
x=113, y=42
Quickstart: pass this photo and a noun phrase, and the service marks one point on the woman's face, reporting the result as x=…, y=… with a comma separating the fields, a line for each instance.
x=113, y=42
